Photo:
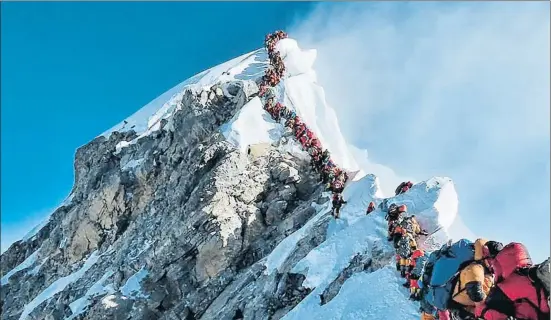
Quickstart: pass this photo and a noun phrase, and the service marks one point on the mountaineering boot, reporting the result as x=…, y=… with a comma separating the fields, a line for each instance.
x=403, y=271
x=406, y=284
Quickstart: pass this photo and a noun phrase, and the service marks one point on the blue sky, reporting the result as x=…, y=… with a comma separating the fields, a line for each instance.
x=455, y=89
x=71, y=70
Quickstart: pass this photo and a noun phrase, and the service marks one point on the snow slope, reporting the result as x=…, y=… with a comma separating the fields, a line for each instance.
x=307, y=98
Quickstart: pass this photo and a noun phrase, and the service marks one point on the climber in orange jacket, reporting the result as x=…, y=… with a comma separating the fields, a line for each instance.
x=475, y=280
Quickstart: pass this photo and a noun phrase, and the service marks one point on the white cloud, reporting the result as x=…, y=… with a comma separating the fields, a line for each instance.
x=454, y=89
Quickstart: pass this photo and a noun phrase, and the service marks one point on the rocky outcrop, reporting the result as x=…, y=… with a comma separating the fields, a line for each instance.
x=180, y=205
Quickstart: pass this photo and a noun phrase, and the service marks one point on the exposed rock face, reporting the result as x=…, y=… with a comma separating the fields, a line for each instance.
x=181, y=204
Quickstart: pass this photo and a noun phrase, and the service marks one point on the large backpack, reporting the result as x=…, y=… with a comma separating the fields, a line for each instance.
x=448, y=262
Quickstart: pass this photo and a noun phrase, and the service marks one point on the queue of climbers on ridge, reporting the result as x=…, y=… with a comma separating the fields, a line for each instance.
x=333, y=177
x=467, y=280
x=461, y=280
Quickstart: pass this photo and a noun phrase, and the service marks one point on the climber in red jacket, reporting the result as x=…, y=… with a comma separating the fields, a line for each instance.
x=370, y=208
x=300, y=129
x=303, y=139
x=276, y=112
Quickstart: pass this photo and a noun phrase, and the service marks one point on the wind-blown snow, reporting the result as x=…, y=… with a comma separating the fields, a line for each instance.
x=251, y=125
x=97, y=289
x=59, y=285
x=307, y=98
x=132, y=288
x=27, y=263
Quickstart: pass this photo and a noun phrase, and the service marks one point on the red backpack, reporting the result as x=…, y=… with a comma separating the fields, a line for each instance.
x=515, y=293
x=512, y=257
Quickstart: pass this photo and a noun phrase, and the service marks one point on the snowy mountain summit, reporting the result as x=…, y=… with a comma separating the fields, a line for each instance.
x=202, y=206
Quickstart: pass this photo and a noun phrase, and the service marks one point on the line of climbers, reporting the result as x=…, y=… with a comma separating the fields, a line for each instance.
x=333, y=177
x=468, y=280
x=461, y=280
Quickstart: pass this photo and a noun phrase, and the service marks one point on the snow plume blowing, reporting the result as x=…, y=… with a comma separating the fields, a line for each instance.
x=454, y=88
